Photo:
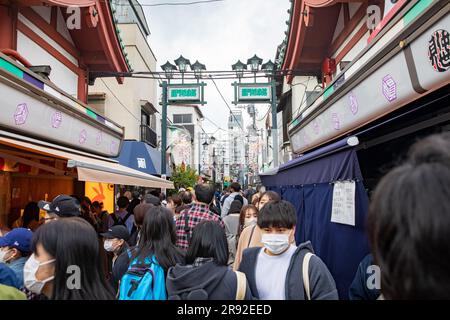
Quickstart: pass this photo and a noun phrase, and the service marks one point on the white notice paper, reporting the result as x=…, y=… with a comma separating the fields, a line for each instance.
x=343, y=207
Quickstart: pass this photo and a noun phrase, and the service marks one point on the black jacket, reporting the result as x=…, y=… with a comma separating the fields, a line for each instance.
x=322, y=284
x=188, y=283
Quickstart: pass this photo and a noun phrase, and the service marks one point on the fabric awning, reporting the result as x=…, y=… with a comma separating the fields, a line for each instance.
x=95, y=169
x=140, y=156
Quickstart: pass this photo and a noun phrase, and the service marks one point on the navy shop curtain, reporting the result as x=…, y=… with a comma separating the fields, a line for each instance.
x=310, y=190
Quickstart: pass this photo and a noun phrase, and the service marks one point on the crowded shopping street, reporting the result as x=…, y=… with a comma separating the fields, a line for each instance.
x=306, y=157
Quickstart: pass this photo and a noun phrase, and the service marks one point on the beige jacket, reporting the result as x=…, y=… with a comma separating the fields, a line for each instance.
x=250, y=237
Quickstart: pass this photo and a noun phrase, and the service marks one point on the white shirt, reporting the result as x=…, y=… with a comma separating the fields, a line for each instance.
x=271, y=274
x=228, y=201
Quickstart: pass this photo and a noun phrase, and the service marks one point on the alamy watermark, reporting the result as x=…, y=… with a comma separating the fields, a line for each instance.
x=373, y=17
x=373, y=282
x=73, y=21
x=73, y=281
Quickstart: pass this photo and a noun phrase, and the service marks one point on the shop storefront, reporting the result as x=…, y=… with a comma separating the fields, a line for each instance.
x=392, y=94
x=52, y=143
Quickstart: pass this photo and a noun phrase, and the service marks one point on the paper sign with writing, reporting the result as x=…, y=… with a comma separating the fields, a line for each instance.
x=343, y=207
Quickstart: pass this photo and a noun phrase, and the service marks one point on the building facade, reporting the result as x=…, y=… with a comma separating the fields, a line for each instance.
x=51, y=141
x=366, y=80
x=237, y=138
x=184, y=134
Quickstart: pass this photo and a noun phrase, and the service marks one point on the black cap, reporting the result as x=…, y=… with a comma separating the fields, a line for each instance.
x=119, y=232
x=63, y=206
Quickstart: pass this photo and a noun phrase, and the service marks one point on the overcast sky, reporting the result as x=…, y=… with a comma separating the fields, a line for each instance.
x=217, y=34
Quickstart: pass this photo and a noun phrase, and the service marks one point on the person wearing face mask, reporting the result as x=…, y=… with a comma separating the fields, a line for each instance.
x=251, y=237
x=15, y=249
x=115, y=241
x=247, y=218
x=115, y=244
x=300, y=275
x=57, y=248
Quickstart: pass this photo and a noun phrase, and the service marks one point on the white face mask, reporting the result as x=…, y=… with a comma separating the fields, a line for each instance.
x=250, y=221
x=3, y=258
x=29, y=275
x=108, y=245
x=276, y=243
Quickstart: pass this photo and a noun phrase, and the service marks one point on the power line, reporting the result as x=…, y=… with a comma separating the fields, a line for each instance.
x=224, y=100
x=118, y=100
x=219, y=128
x=171, y=3
x=270, y=108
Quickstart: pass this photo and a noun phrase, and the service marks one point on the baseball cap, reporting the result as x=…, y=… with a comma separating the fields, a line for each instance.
x=19, y=238
x=63, y=206
x=119, y=232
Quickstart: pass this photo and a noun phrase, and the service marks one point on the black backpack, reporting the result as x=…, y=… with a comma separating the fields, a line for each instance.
x=239, y=198
x=118, y=221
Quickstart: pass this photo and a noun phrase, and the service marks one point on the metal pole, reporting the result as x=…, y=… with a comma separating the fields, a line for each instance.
x=199, y=151
x=274, y=122
x=164, y=127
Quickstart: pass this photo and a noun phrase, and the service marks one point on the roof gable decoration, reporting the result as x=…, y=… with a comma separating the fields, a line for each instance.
x=281, y=52
x=100, y=15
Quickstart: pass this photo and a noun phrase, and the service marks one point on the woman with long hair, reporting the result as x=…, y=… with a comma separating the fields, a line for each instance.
x=206, y=275
x=150, y=260
x=251, y=237
x=247, y=217
x=158, y=238
x=66, y=264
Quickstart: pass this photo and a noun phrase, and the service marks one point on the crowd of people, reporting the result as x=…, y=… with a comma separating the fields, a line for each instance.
x=200, y=244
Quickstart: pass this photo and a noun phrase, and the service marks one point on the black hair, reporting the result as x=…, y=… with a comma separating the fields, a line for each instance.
x=87, y=200
x=176, y=199
x=74, y=242
x=140, y=211
x=235, y=207
x=235, y=186
x=208, y=241
x=158, y=237
x=96, y=204
x=155, y=193
x=272, y=195
x=409, y=223
x=204, y=193
x=186, y=197
x=277, y=214
x=123, y=202
x=30, y=213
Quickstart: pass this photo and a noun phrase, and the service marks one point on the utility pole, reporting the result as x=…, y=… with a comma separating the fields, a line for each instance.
x=164, y=127
x=199, y=153
x=274, y=121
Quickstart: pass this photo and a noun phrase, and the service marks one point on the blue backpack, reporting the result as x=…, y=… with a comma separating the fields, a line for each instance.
x=143, y=281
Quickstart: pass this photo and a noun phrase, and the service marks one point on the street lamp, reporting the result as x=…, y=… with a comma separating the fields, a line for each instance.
x=269, y=67
x=239, y=67
x=198, y=68
x=254, y=63
x=182, y=64
x=168, y=69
